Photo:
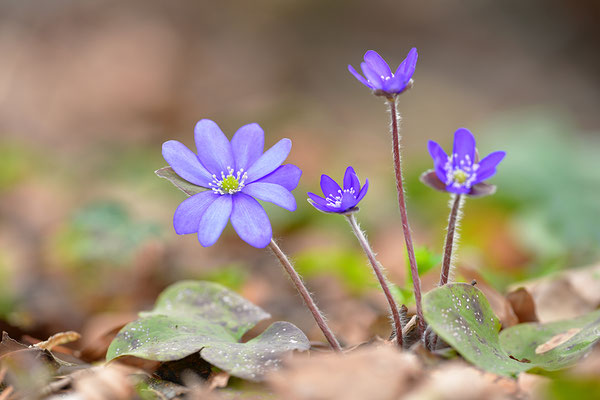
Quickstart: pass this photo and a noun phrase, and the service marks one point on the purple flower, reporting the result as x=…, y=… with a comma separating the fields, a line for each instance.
x=237, y=173
x=337, y=200
x=379, y=77
x=462, y=172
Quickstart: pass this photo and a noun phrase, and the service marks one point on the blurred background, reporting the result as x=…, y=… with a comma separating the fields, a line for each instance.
x=90, y=90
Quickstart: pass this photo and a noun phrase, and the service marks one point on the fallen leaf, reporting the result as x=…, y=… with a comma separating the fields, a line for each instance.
x=374, y=373
x=58, y=339
x=523, y=305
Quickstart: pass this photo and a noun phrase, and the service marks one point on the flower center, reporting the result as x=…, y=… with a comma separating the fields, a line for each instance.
x=230, y=183
x=462, y=173
x=460, y=176
x=336, y=200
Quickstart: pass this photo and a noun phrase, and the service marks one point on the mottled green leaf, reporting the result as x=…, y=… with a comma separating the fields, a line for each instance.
x=554, y=345
x=461, y=315
x=209, y=301
x=192, y=316
x=186, y=187
x=251, y=360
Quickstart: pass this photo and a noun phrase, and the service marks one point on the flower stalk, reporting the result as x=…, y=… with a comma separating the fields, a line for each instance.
x=457, y=201
x=308, y=300
x=403, y=214
x=379, y=274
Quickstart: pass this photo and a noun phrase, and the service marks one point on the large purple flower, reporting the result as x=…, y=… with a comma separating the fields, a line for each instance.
x=338, y=200
x=236, y=174
x=462, y=172
x=379, y=77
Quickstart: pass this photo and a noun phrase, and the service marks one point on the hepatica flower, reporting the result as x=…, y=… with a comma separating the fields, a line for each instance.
x=379, y=77
x=461, y=172
x=336, y=199
x=237, y=173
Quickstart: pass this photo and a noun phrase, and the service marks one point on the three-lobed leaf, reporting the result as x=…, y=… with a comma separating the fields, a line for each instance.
x=206, y=317
x=461, y=315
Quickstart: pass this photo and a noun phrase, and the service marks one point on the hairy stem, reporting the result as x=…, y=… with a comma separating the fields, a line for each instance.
x=402, y=205
x=308, y=300
x=379, y=274
x=449, y=246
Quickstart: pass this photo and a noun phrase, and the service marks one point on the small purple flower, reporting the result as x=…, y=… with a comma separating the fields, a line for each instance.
x=379, y=77
x=462, y=172
x=236, y=174
x=337, y=200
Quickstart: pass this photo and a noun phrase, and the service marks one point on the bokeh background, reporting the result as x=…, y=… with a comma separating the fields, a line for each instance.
x=90, y=90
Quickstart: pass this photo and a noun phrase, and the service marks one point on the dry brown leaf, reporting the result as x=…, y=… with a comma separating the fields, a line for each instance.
x=523, y=305
x=99, y=331
x=565, y=295
x=58, y=339
x=374, y=373
x=102, y=383
x=218, y=380
x=533, y=386
x=5, y=394
x=459, y=381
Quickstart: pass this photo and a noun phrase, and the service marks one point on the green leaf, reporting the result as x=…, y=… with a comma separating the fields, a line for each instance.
x=461, y=315
x=251, y=360
x=554, y=345
x=209, y=301
x=193, y=316
x=186, y=187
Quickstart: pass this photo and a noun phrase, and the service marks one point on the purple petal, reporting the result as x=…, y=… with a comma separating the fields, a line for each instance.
x=439, y=159
x=487, y=166
x=348, y=202
x=363, y=191
x=491, y=160
x=287, y=175
x=407, y=68
x=270, y=160
x=377, y=64
x=185, y=163
x=250, y=221
x=458, y=190
x=358, y=76
x=188, y=214
x=437, y=153
x=484, y=174
x=247, y=145
x=214, y=220
x=329, y=186
x=464, y=145
x=373, y=78
x=214, y=150
x=272, y=193
x=318, y=202
x=395, y=84
x=348, y=178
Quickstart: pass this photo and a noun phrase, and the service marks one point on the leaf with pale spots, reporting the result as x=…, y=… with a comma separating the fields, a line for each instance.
x=186, y=187
x=461, y=315
x=553, y=345
x=192, y=316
